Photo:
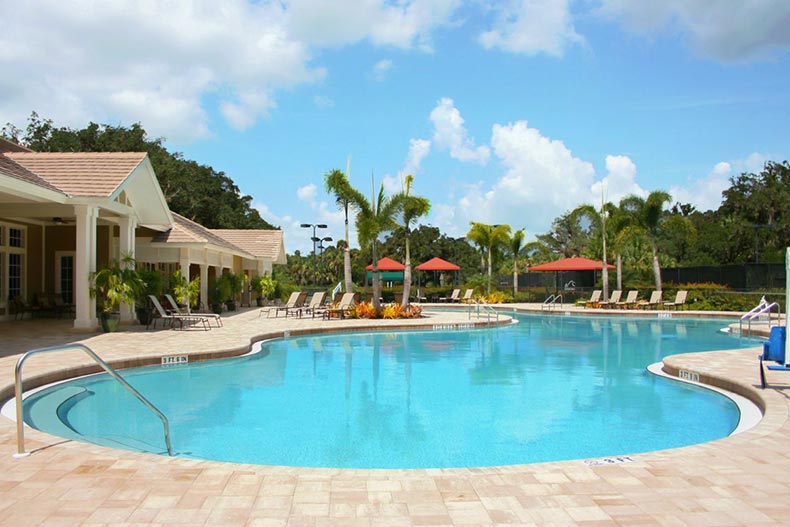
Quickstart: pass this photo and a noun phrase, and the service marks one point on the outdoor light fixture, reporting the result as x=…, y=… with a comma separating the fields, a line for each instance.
x=314, y=239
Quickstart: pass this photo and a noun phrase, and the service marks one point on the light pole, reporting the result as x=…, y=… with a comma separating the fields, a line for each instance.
x=314, y=239
x=321, y=249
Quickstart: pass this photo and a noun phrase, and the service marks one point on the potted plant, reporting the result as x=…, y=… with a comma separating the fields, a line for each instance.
x=221, y=293
x=153, y=284
x=232, y=285
x=116, y=284
x=186, y=293
x=264, y=286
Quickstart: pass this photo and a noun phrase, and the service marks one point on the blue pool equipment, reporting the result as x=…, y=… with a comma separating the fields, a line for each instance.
x=774, y=351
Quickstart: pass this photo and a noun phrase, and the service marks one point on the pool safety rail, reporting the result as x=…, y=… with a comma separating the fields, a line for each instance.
x=482, y=309
x=551, y=302
x=763, y=308
x=20, y=424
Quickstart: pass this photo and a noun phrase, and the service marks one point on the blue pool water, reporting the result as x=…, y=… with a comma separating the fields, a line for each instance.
x=547, y=388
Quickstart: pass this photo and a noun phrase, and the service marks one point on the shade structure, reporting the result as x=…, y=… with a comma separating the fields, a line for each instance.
x=387, y=264
x=574, y=263
x=437, y=264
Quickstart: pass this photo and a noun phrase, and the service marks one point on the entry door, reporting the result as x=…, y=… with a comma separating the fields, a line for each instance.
x=64, y=275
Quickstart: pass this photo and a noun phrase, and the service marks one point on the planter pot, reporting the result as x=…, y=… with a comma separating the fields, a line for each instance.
x=231, y=305
x=260, y=301
x=216, y=308
x=144, y=315
x=109, y=323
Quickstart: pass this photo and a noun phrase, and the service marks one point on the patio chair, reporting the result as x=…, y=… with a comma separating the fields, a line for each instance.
x=293, y=306
x=467, y=298
x=342, y=308
x=655, y=301
x=455, y=297
x=177, y=310
x=613, y=300
x=595, y=299
x=61, y=306
x=773, y=350
x=679, y=302
x=173, y=317
x=630, y=300
x=419, y=297
x=316, y=303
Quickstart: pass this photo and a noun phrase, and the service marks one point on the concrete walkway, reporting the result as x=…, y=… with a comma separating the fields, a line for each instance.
x=739, y=480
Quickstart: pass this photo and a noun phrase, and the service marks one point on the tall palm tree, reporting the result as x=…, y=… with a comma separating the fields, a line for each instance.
x=646, y=214
x=598, y=218
x=488, y=237
x=337, y=183
x=375, y=217
x=516, y=243
x=413, y=207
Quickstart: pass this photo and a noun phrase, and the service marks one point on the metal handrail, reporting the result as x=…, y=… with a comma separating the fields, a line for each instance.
x=478, y=304
x=760, y=309
x=551, y=301
x=20, y=425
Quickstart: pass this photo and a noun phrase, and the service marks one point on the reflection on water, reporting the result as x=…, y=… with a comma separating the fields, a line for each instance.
x=548, y=388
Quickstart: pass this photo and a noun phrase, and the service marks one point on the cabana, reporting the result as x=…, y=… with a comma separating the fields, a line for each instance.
x=437, y=264
x=389, y=270
x=572, y=264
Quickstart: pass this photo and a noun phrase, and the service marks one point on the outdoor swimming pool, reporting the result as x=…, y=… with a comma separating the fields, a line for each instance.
x=547, y=388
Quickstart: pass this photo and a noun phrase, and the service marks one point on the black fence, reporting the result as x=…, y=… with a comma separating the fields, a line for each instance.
x=744, y=277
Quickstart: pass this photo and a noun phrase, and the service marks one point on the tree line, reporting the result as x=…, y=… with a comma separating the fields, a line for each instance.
x=198, y=192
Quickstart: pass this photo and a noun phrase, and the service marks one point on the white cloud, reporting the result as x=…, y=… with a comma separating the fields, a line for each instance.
x=532, y=27
x=404, y=24
x=323, y=102
x=728, y=31
x=170, y=65
x=307, y=193
x=619, y=182
x=705, y=192
x=450, y=134
x=418, y=150
x=381, y=69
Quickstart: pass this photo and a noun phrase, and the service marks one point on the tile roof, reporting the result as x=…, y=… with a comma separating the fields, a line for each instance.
x=187, y=231
x=10, y=146
x=10, y=168
x=260, y=243
x=81, y=173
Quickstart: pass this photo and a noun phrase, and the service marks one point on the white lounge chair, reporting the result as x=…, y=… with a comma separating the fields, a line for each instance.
x=177, y=310
x=655, y=301
x=630, y=300
x=595, y=299
x=345, y=302
x=293, y=306
x=613, y=300
x=316, y=303
x=467, y=298
x=191, y=320
x=455, y=297
x=679, y=302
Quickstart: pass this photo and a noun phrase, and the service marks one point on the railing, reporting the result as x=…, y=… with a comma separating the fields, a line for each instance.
x=760, y=309
x=551, y=302
x=20, y=425
x=478, y=305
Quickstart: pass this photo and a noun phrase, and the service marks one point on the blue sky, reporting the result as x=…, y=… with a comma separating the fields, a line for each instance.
x=505, y=112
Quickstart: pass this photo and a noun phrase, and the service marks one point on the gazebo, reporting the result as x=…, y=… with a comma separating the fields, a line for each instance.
x=437, y=264
x=574, y=263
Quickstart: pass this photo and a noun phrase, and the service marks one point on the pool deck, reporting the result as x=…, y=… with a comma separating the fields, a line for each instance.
x=740, y=480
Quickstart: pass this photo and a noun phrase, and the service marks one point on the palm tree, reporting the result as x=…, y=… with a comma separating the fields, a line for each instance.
x=488, y=237
x=598, y=218
x=413, y=207
x=375, y=217
x=337, y=183
x=645, y=214
x=516, y=243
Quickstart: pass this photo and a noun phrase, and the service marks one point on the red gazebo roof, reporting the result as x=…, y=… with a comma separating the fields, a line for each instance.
x=387, y=264
x=575, y=263
x=437, y=264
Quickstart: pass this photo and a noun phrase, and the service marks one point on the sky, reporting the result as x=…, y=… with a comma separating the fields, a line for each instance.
x=504, y=111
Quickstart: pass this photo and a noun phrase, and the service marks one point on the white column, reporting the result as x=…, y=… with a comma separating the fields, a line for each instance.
x=126, y=248
x=204, y=285
x=85, y=267
x=183, y=262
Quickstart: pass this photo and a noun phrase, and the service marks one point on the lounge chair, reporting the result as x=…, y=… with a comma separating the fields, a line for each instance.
x=177, y=310
x=316, y=303
x=655, y=301
x=595, y=299
x=774, y=350
x=467, y=298
x=630, y=300
x=173, y=317
x=613, y=300
x=679, y=302
x=340, y=310
x=293, y=306
x=455, y=297
x=419, y=297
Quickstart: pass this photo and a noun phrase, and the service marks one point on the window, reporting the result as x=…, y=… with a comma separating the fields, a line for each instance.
x=15, y=271
x=16, y=237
